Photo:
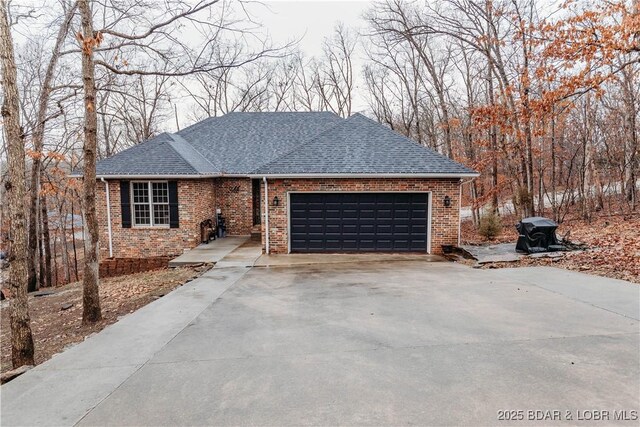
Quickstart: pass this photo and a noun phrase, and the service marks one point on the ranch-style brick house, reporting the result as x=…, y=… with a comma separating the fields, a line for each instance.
x=306, y=182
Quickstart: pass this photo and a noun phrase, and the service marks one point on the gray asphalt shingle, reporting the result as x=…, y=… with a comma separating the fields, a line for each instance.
x=239, y=143
x=278, y=144
x=359, y=145
x=153, y=157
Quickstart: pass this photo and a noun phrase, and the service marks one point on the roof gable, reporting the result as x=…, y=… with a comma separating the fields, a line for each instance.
x=155, y=156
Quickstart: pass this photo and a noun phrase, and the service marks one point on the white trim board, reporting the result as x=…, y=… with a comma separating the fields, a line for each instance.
x=365, y=175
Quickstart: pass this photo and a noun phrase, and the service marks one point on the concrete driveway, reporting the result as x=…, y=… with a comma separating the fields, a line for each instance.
x=405, y=342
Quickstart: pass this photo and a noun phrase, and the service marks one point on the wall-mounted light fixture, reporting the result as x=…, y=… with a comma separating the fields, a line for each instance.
x=447, y=201
x=276, y=201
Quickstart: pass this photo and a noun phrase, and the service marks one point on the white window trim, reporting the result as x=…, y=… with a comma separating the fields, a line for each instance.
x=151, y=217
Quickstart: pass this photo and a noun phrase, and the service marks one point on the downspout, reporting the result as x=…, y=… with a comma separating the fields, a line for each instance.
x=459, y=210
x=266, y=215
x=106, y=183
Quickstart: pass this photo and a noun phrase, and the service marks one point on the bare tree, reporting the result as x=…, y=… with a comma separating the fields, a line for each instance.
x=130, y=109
x=122, y=47
x=335, y=78
x=21, y=339
x=38, y=140
x=89, y=40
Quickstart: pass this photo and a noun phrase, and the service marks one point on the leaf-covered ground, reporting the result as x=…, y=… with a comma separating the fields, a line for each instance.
x=614, y=242
x=54, y=328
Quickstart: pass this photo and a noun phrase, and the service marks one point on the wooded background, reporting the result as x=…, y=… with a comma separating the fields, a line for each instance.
x=542, y=98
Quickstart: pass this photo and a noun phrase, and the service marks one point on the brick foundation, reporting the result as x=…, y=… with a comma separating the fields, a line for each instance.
x=444, y=221
x=112, y=267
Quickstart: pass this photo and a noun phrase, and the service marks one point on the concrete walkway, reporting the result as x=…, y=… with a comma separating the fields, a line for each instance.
x=209, y=253
x=408, y=342
x=62, y=390
x=245, y=255
x=288, y=260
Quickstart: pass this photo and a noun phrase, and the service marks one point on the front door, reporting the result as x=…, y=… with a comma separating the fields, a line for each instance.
x=255, y=185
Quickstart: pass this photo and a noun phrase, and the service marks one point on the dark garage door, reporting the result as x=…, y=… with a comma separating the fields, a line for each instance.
x=363, y=222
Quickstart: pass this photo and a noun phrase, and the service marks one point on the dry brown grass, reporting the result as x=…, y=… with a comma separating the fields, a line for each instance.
x=54, y=329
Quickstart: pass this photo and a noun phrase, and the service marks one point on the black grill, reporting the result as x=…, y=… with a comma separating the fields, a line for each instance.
x=537, y=234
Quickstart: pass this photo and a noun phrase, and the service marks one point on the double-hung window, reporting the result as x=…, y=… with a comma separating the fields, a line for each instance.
x=150, y=203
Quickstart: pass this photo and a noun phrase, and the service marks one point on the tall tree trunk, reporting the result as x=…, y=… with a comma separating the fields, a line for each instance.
x=631, y=142
x=493, y=136
x=529, y=207
x=21, y=338
x=40, y=257
x=91, y=312
x=63, y=240
x=554, y=188
x=55, y=258
x=592, y=184
x=46, y=242
x=32, y=276
x=38, y=143
x=73, y=239
x=493, y=133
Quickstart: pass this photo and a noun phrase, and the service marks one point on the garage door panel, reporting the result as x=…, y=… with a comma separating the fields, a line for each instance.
x=349, y=245
x=384, y=245
x=333, y=228
x=418, y=229
x=367, y=245
x=401, y=246
x=368, y=213
x=385, y=213
x=350, y=222
x=401, y=229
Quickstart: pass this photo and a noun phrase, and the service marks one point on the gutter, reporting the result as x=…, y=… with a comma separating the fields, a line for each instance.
x=292, y=175
x=152, y=177
x=369, y=175
x=108, y=218
x=156, y=177
x=266, y=215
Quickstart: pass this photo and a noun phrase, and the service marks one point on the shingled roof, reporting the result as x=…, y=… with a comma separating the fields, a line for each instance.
x=239, y=143
x=359, y=145
x=159, y=156
x=280, y=144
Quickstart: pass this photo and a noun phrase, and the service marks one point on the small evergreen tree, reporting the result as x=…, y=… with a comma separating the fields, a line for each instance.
x=490, y=225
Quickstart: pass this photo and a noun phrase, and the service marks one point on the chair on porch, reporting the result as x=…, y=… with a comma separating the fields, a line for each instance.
x=208, y=230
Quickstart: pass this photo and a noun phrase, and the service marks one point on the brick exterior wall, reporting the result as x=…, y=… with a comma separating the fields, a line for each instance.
x=235, y=199
x=196, y=202
x=444, y=221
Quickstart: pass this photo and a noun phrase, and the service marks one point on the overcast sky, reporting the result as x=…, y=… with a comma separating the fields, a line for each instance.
x=313, y=21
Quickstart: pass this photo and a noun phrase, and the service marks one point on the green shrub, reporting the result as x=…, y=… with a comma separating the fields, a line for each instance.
x=490, y=225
